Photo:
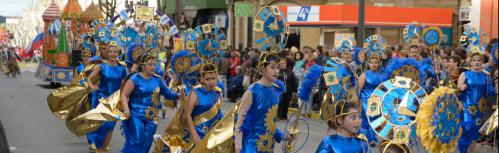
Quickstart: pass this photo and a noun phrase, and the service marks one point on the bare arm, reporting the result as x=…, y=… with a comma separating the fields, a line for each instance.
x=192, y=101
x=95, y=71
x=75, y=76
x=125, y=94
x=246, y=102
x=461, y=85
x=362, y=81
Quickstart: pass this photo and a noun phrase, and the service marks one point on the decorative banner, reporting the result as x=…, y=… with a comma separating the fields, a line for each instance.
x=144, y=13
x=164, y=19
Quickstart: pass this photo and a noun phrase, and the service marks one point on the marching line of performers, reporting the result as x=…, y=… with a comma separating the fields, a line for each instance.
x=255, y=126
x=106, y=90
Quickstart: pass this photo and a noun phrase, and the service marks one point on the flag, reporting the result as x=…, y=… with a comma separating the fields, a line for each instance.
x=35, y=44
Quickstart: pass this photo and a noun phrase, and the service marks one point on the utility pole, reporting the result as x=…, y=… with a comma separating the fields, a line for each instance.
x=360, y=28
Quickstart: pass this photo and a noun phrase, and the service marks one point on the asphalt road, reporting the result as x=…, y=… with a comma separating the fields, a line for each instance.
x=32, y=128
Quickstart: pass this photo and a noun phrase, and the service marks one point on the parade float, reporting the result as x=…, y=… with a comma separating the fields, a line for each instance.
x=58, y=45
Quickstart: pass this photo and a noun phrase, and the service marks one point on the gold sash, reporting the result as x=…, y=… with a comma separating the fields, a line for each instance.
x=208, y=115
x=219, y=139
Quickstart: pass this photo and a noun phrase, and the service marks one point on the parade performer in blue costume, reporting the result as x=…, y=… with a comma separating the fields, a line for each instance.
x=78, y=78
x=347, y=122
x=203, y=104
x=255, y=129
x=140, y=101
x=475, y=85
x=368, y=81
x=111, y=75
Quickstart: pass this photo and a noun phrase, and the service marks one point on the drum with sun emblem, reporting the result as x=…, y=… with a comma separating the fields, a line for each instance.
x=392, y=109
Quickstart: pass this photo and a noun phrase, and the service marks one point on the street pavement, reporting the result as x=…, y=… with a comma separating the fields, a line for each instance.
x=32, y=128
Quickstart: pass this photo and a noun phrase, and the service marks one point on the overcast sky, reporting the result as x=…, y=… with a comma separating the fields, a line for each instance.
x=15, y=7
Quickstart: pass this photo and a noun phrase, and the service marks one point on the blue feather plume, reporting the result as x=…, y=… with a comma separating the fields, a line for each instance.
x=305, y=89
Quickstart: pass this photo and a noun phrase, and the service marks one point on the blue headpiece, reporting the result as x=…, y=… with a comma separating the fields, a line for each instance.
x=345, y=42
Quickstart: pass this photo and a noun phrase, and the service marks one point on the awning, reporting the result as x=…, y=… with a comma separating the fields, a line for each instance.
x=337, y=15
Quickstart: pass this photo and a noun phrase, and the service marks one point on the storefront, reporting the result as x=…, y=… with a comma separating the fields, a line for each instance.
x=318, y=24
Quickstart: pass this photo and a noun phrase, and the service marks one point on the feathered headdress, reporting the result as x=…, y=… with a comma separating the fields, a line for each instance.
x=375, y=45
x=345, y=44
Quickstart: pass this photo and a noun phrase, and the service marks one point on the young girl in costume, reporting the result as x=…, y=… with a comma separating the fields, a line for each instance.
x=203, y=104
x=474, y=86
x=368, y=81
x=255, y=128
x=77, y=76
x=111, y=75
x=347, y=123
x=140, y=100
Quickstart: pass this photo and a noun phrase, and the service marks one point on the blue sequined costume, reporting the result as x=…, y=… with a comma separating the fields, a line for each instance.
x=373, y=79
x=339, y=144
x=111, y=78
x=144, y=104
x=478, y=87
x=259, y=128
x=207, y=112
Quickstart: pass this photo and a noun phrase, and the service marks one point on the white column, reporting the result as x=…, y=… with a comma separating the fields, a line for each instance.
x=475, y=13
x=236, y=32
x=245, y=34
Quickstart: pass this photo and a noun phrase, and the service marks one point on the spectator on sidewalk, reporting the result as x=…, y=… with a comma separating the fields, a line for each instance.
x=223, y=70
x=236, y=88
x=234, y=62
x=289, y=79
